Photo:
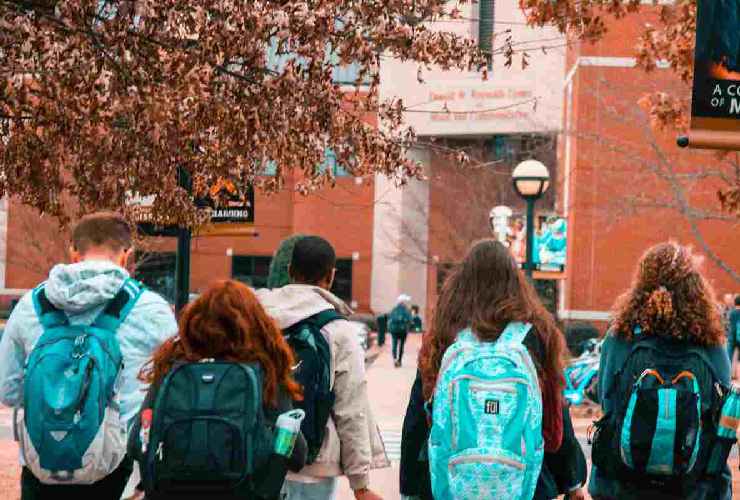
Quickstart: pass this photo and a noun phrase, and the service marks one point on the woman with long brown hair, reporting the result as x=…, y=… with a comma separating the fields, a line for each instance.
x=483, y=295
x=228, y=326
x=665, y=344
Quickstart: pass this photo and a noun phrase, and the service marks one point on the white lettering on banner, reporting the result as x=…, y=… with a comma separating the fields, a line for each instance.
x=735, y=106
x=235, y=214
x=717, y=90
x=732, y=90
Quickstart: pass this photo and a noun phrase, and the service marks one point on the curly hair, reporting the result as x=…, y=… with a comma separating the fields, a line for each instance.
x=487, y=292
x=669, y=297
x=228, y=323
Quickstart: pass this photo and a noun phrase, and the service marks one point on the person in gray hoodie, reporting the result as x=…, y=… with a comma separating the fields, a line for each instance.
x=352, y=444
x=101, y=246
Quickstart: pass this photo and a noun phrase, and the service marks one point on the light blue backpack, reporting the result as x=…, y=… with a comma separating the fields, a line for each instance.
x=486, y=438
x=71, y=431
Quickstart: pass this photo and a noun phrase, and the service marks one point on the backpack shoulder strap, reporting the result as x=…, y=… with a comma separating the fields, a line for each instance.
x=49, y=315
x=323, y=318
x=515, y=333
x=318, y=321
x=120, y=306
x=653, y=344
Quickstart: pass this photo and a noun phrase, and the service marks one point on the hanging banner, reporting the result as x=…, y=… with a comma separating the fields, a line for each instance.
x=230, y=210
x=715, y=110
x=228, y=203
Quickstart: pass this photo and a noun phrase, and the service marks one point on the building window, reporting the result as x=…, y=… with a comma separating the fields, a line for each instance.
x=342, y=287
x=251, y=270
x=330, y=162
x=157, y=271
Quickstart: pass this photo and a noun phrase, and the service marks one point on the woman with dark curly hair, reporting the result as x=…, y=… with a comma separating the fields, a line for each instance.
x=662, y=375
x=226, y=324
x=483, y=296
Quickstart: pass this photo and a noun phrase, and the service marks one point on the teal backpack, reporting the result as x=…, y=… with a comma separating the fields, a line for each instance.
x=71, y=431
x=486, y=438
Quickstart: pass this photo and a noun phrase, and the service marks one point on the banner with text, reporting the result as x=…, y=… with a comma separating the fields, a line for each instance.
x=715, y=110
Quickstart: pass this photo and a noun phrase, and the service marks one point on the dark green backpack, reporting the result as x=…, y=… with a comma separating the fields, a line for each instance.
x=209, y=434
x=313, y=373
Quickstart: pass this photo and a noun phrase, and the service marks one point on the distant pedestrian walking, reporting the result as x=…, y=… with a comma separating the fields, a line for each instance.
x=491, y=367
x=663, y=381
x=400, y=321
x=207, y=428
x=417, y=325
x=69, y=361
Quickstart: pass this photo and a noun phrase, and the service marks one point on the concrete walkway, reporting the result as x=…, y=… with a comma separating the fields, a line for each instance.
x=389, y=389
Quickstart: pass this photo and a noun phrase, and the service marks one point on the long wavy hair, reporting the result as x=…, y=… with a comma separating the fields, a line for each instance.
x=487, y=292
x=669, y=297
x=228, y=323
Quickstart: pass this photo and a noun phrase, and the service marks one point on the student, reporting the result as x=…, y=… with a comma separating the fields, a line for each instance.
x=400, y=322
x=663, y=367
x=348, y=443
x=223, y=331
x=491, y=338
x=97, y=328
x=416, y=319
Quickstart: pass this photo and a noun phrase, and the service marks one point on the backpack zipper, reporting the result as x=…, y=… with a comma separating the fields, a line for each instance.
x=486, y=459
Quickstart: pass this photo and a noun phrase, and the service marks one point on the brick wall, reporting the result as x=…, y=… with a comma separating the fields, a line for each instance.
x=627, y=184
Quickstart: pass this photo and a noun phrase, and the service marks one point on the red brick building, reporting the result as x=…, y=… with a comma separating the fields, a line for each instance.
x=626, y=187
x=343, y=215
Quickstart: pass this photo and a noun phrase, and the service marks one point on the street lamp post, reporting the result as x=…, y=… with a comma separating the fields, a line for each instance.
x=531, y=179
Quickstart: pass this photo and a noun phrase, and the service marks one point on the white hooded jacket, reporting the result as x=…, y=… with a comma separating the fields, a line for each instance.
x=352, y=444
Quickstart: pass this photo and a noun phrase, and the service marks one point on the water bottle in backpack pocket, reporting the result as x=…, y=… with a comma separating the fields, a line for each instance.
x=209, y=434
x=486, y=438
x=71, y=431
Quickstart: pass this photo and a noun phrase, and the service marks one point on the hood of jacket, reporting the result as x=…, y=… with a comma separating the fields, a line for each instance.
x=293, y=303
x=78, y=288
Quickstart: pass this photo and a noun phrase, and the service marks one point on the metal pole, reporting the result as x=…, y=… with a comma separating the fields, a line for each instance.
x=529, y=265
x=182, y=262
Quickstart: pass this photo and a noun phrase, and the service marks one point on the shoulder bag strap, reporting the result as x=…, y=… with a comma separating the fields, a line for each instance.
x=49, y=315
x=120, y=306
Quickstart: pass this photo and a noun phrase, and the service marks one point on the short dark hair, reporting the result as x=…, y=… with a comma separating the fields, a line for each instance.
x=313, y=260
x=737, y=300
x=102, y=229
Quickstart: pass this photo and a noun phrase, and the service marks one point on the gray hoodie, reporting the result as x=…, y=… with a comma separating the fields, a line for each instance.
x=81, y=291
x=352, y=445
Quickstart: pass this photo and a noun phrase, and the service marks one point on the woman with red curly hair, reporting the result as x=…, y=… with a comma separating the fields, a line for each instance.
x=666, y=332
x=228, y=324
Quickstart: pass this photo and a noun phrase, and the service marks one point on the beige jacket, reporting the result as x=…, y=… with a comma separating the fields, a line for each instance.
x=352, y=445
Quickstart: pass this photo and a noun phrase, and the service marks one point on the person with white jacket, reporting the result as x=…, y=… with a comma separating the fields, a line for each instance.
x=352, y=445
x=101, y=246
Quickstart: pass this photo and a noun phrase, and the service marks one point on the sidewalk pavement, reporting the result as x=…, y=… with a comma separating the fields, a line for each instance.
x=388, y=390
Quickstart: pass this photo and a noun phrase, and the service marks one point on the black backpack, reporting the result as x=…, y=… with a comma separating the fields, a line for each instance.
x=313, y=373
x=209, y=434
x=668, y=399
